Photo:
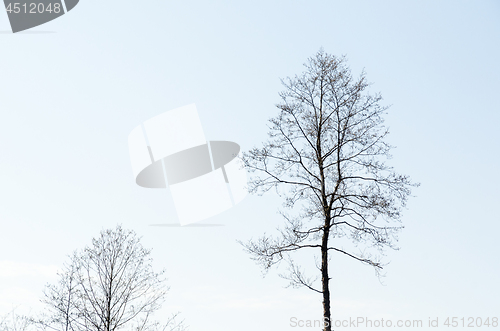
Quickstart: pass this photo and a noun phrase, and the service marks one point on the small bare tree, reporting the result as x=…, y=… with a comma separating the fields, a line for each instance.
x=107, y=286
x=15, y=322
x=325, y=155
x=61, y=298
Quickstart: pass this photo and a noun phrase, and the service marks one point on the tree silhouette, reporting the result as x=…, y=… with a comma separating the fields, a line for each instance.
x=108, y=286
x=325, y=156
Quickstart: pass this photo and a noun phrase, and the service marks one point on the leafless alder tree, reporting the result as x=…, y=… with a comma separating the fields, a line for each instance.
x=15, y=322
x=325, y=155
x=108, y=286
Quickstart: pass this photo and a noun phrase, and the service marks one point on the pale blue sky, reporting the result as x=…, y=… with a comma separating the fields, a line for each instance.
x=69, y=98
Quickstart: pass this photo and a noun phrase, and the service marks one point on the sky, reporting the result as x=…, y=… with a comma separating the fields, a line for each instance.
x=73, y=89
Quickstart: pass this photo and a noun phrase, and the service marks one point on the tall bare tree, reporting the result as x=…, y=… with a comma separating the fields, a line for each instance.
x=107, y=286
x=325, y=156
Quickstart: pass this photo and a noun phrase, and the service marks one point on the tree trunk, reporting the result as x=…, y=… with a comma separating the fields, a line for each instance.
x=325, y=280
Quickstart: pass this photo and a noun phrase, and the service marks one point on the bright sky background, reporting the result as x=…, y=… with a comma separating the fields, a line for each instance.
x=71, y=91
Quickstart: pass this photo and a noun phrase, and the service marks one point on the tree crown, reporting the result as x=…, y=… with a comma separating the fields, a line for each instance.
x=326, y=151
